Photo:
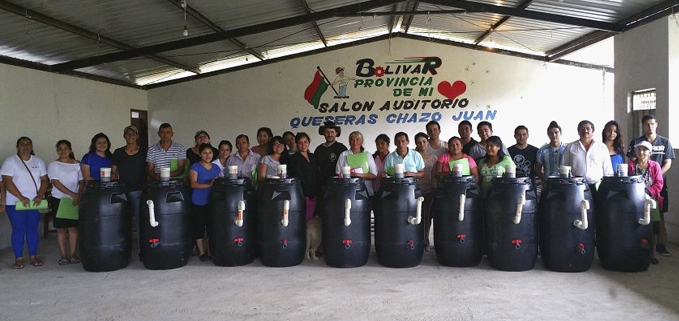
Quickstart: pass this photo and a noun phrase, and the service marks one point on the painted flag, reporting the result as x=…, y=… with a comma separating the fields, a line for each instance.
x=318, y=86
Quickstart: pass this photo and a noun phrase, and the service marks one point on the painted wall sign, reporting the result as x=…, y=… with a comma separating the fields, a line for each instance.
x=417, y=91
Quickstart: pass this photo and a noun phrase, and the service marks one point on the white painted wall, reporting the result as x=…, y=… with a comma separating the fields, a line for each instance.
x=522, y=91
x=648, y=57
x=47, y=107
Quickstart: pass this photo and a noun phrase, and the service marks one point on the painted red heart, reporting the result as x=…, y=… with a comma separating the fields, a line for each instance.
x=452, y=91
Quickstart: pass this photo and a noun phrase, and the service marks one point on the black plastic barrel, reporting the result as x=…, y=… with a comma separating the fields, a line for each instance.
x=458, y=237
x=398, y=243
x=623, y=243
x=104, y=227
x=346, y=245
x=167, y=245
x=232, y=241
x=511, y=246
x=565, y=247
x=279, y=244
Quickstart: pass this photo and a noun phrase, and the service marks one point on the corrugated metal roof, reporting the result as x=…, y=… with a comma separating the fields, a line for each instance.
x=602, y=10
x=294, y=35
x=143, y=23
x=465, y=27
x=199, y=55
x=535, y=36
x=136, y=71
x=353, y=27
x=138, y=23
x=26, y=39
x=232, y=14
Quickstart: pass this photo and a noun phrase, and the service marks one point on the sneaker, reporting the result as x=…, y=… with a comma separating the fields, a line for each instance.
x=654, y=261
x=204, y=257
x=194, y=250
x=662, y=250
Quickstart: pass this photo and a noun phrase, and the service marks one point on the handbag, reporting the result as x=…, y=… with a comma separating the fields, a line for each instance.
x=43, y=205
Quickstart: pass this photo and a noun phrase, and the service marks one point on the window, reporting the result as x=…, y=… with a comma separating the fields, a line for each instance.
x=643, y=99
x=640, y=103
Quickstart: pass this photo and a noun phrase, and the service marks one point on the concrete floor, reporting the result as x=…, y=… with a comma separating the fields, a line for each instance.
x=313, y=291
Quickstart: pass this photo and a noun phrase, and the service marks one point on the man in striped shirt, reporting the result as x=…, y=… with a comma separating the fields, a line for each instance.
x=163, y=153
x=550, y=156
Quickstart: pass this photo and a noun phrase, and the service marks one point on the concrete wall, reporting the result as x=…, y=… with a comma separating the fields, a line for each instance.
x=641, y=57
x=648, y=57
x=673, y=71
x=47, y=107
x=511, y=90
x=673, y=107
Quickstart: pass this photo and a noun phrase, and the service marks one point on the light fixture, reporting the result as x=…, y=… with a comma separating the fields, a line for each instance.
x=185, y=6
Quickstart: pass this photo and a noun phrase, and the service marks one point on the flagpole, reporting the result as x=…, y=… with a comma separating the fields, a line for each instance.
x=328, y=80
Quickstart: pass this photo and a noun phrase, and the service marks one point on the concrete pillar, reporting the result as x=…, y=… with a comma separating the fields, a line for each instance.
x=648, y=57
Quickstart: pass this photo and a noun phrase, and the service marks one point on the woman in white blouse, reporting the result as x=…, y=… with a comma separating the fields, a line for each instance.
x=25, y=178
x=68, y=182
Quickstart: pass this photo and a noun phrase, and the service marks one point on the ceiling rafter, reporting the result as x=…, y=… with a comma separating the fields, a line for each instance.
x=42, y=18
x=394, y=18
x=403, y=13
x=504, y=19
x=318, y=30
x=409, y=20
x=215, y=27
x=631, y=22
x=219, y=36
x=650, y=14
x=522, y=13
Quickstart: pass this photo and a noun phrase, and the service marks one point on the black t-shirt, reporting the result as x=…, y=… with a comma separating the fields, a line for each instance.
x=131, y=168
x=468, y=146
x=195, y=158
x=327, y=159
x=306, y=171
x=525, y=160
x=285, y=157
x=662, y=149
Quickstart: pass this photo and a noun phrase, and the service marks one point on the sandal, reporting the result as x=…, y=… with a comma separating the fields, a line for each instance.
x=63, y=261
x=18, y=264
x=36, y=261
x=74, y=260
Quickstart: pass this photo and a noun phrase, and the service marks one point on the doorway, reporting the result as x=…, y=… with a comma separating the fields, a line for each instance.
x=139, y=119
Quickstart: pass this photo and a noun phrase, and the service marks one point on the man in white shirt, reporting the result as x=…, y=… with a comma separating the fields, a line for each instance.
x=436, y=145
x=586, y=157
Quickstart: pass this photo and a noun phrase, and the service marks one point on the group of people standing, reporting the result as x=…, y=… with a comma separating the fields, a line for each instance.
x=26, y=181
x=25, y=178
